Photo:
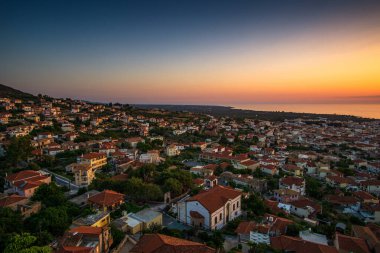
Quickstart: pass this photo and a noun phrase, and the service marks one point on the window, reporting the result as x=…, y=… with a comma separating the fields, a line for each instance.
x=220, y=216
x=233, y=207
x=237, y=204
x=216, y=220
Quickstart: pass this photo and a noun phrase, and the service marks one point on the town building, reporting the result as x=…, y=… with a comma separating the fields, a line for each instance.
x=157, y=243
x=211, y=209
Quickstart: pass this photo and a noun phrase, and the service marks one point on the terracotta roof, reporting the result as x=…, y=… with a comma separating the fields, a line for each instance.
x=106, y=198
x=341, y=200
x=22, y=175
x=366, y=234
x=302, y=203
x=216, y=197
x=198, y=181
x=93, y=156
x=289, y=167
x=278, y=224
x=157, y=243
x=250, y=162
x=87, y=230
x=292, y=180
x=81, y=167
x=364, y=195
x=370, y=182
x=9, y=200
x=351, y=244
x=74, y=249
x=286, y=192
x=245, y=227
x=120, y=177
x=341, y=180
x=273, y=206
x=25, y=185
x=297, y=245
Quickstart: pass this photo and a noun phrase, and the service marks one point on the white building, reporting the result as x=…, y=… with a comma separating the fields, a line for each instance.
x=211, y=209
x=293, y=183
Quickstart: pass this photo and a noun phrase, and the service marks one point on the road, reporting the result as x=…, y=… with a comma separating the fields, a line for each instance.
x=62, y=181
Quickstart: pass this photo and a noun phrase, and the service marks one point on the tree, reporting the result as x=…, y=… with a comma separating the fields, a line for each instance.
x=173, y=185
x=293, y=230
x=10, y=222
x=313, y=188
x=258, y=247
x=184, y=177
x=19, y=149
x=255, y=205
x=117, y=235
x=157, y=143
x=147, y=172
x=218, y=239
x=55, y=220
x=240, y=149
x=25, y=243
x=55, y=195
x=143, y=147
x=151, y=192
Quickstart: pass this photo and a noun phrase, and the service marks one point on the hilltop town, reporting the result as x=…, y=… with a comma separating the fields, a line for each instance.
x=87, y=177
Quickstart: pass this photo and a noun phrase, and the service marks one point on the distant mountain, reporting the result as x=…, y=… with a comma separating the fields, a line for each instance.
x=6, y=91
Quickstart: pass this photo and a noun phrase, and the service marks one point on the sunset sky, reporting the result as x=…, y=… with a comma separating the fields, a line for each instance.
x=193, y=52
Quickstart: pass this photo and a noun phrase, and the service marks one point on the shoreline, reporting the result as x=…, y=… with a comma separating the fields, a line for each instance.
x=231, y=111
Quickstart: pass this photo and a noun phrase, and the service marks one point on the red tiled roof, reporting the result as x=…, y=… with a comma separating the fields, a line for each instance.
x=22, y=175
x=120, y=177
x=292, y=180
x=249, y=162
x=273, y=206
x=364, y=195
x=198, y=181
x=9, y=200
x=157, y=243
x=87, y=230
x=341, y=200
x=367, y=234
x=245, y=227
x=302, y=203
x=106, y=198
x=297, y=245
x=74, y=249
x=352, y=244
x=341, y=180
x=279, y=225
x=25, y=185
x=370, y=182
x=291, y=167
x=216, y=197
x=93, y=156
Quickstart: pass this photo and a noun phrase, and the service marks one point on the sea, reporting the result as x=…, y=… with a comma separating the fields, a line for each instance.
x=360, y=110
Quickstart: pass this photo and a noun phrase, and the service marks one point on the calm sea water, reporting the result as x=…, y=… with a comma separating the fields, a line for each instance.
x=361, y=110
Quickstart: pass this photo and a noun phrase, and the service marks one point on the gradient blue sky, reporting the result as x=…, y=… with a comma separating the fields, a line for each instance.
x=193, y=52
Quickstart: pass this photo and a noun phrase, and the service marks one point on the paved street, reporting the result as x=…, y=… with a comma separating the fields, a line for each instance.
x=62, y=181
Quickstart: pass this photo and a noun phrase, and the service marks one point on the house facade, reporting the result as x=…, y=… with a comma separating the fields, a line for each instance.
x=95, y=160
x=211, y=209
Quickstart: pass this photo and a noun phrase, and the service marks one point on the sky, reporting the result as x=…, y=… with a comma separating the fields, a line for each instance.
x=193, y=52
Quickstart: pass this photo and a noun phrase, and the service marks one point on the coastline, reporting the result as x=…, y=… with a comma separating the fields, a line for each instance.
x=230, y=111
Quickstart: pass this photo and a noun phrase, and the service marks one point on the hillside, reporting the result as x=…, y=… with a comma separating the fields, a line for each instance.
x=6, y=91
